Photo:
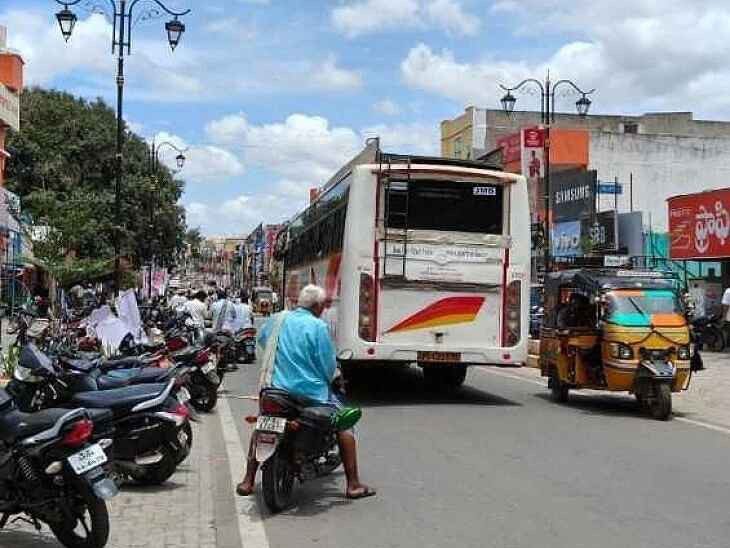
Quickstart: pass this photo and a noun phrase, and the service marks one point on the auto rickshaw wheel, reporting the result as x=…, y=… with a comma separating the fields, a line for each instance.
x=559, y=389
x=660, y=405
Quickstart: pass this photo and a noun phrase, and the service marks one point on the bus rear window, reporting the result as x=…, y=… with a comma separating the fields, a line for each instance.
x=447, y=206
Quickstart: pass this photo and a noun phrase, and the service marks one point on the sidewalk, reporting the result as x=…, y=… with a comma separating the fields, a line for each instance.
x=178, y=514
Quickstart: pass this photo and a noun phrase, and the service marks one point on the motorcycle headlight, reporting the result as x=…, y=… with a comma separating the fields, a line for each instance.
x=683, y=353
x=24, y=374
x=621, y=351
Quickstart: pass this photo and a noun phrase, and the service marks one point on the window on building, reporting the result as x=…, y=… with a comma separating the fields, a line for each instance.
x=631, y=127
x=458, y=147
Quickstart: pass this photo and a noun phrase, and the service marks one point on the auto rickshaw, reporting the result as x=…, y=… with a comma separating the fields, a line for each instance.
x=616, y=330
x=262, y=300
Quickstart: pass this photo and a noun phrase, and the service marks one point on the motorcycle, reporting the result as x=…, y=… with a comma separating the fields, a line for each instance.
x=245, y=344
x=708, y=334
x=149, y=423
x=294, y=440
x=52, y=473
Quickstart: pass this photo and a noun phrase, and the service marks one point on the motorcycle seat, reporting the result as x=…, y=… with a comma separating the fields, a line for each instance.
x=286, y=399
x=120, y=399
x=186, y=354
x=123, y=363
x=83, y=365
x=120, y=378
x=17, y=425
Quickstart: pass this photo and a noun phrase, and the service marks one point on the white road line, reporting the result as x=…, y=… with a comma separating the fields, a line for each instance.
x=493, y=371
x=701, y=424
x=250, y=522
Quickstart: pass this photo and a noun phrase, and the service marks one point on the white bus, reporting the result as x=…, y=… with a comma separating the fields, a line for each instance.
x=424, y=260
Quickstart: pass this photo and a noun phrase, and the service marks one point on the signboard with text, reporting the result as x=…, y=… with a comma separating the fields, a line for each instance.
x=565, y=239
x=511, y=147
x=572, y=194
x=533, y=168
x=603, y=231
x=699, y=225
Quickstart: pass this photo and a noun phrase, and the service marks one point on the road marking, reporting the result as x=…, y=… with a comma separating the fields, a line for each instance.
x=492, y=371
x=704, y=425
x=707, y=425
x=250, y=521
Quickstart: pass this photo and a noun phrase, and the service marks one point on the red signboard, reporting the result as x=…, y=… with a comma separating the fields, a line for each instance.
x=511, y=148
x=699, y=225
x=534, y=138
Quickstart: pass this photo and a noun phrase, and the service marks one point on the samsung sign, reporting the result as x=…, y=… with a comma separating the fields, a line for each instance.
x=572, y=194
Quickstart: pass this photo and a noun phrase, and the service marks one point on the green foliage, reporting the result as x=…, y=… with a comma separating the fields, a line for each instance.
x=194, y=239
x=63, y=167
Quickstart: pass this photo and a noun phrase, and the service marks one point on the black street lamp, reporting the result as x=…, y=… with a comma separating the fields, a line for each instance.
x=124, y=20
x=155, y=155
x=547, y=116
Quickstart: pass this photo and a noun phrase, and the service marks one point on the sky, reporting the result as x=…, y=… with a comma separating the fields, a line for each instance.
x=271, y=97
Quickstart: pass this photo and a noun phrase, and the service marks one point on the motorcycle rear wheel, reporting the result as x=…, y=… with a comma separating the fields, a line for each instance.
x=277, y=482
x=159, y=473
x=207, y=402
x=96, y=529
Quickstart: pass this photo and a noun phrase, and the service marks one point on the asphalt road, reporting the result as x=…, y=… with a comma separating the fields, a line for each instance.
x=497, y=464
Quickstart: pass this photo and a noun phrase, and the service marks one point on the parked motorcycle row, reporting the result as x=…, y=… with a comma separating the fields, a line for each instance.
x=75, y=425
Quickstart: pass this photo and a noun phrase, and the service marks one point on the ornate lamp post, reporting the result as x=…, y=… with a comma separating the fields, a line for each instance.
x=547, y=115
x=123, y=21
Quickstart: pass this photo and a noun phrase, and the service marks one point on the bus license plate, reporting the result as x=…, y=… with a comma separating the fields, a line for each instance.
x=88, y=459
x=271, y=424
x=439, y=357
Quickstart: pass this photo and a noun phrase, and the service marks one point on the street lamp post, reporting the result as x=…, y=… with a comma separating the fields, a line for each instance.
x=547, y=116
x=123, y=20
x=154, y=166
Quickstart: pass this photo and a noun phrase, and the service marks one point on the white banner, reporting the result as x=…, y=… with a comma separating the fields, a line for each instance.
x=451, y=263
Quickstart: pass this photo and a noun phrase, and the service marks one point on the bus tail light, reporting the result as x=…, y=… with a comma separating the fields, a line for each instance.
x=512, y=321
x=366, y=316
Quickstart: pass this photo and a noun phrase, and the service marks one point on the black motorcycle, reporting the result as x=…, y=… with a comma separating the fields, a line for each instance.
x=295, y=440
x=149, y=423
x=51, y=473
x=708, y=333
x=245, y=344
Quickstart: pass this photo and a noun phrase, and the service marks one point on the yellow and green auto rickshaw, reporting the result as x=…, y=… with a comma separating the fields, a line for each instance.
x=616, y=330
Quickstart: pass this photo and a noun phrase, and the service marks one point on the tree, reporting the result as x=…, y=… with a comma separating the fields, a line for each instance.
x=63, y=167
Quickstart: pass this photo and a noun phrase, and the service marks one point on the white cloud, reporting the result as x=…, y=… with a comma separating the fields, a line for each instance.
x=387, y=107
x=422, y=139
x=641, y=55
x=329, y=76
x=153, y=72
x=369, y=16
x=203, y=163
x=300, y=148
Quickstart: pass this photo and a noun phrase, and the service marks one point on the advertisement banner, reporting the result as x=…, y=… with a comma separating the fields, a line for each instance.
x=699, y=225
x=511, y=148
x=565, y=239
x=9, y=108
x=533, y=168
x=603, y=231
x=572, y=194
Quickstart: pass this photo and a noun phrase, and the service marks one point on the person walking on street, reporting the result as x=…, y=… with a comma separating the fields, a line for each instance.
x=305, y=365
x=223, y=313
x=198, y=311
x=726, y=314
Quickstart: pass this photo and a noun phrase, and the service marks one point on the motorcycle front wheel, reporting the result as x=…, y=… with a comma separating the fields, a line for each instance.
x=87, y=527
x=277, y=482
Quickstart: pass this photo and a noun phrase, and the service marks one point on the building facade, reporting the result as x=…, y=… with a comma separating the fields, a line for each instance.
x=11, y=84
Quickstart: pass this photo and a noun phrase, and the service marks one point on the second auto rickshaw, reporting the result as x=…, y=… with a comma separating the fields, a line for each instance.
x=616, y=330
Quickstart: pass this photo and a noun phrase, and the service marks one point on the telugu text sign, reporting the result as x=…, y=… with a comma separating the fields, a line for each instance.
x=699, y=225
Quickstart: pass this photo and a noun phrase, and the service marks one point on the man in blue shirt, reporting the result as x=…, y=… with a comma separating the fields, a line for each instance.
x=305, y=365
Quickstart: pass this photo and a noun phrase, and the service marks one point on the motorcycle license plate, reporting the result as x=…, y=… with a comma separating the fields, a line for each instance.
x=271, y=424
x=183, y=395
x=88, y=459
x=208, y=367
x=439, y=357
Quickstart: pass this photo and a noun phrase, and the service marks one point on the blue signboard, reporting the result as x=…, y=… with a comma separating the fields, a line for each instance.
x=565, y=239
x=610, y=188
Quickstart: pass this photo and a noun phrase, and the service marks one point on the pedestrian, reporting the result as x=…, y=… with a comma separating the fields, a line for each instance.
x=726, y=312
x=223, y=313
x=244, y=316
x=198, y=311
